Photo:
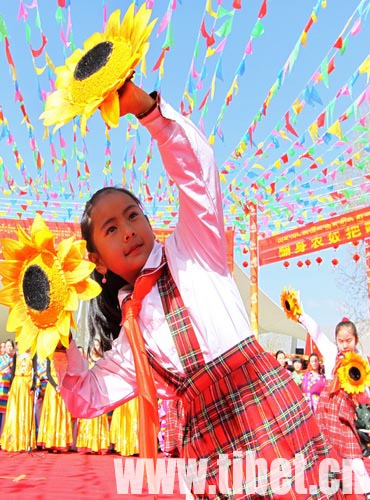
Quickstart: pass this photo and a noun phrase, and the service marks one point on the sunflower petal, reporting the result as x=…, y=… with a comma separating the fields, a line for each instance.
x=113, y=24
x=72, y=302
x=47, y=340
x=80, y=273
x=109, y=109
x=24, y=238
x=17, y=316
x=64, y=326
x=10, y=247
x=64, y=248
x=89, y=289
x=9, y=295
x=141, y=29
x=9, y=269
x=128, y=22
x=26, y=336
x=58, y=110
x=77, y=250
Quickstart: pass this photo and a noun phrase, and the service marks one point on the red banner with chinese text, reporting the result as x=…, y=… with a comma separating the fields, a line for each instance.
x=63, y=230
x=351, y=227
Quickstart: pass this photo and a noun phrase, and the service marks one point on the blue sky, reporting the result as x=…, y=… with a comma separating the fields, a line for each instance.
x=273, y=42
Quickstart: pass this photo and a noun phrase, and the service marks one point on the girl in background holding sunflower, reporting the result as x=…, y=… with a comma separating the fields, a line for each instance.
x=347, y=379
x=181, y=298
x=313, y=381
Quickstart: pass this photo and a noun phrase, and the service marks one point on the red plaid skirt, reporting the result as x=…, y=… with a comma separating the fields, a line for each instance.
x=336, y=414
x=245, y=402
x=241, y=403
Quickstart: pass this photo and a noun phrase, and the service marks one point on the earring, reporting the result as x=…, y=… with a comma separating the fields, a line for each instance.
x=104, y=280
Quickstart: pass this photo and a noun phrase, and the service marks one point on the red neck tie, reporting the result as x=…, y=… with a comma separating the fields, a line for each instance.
x=335, y=384
x=148, y=406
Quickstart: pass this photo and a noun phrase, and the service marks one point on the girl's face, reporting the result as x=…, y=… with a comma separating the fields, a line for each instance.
x=314, y=363
x=346, y=340
x=9, y=348
x=281, y=358
x=122, y=236
x=297, y=365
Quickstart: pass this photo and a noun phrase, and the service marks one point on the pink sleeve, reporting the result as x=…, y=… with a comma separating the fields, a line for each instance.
x=189, y=160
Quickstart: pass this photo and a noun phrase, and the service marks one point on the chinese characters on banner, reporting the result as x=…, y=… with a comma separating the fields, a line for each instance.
x=352, y=227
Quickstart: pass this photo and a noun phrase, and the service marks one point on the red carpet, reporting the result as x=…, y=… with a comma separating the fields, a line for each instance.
x=73, y=476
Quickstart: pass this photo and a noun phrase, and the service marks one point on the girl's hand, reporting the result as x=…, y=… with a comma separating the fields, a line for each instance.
x=133, y=99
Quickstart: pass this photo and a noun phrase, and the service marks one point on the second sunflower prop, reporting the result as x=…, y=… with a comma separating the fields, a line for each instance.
x=290, y=302
x=354, y=373
x=42, y=287
x=91, y=78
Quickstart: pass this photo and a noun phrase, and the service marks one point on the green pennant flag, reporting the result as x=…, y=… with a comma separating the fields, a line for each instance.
x=3, y=29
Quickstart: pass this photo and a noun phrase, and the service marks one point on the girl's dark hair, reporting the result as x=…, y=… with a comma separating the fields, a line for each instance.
x=313, y=355
x=279, y=352
x=346, y=323
x=104, y=315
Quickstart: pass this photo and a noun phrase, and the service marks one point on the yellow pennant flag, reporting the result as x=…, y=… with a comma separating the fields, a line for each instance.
x=336, y=129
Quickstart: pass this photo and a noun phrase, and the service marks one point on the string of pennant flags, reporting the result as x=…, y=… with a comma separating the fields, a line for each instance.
x=312, y=164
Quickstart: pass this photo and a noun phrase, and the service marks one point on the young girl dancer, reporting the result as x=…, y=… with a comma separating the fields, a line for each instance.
x=336, y=408
x=196, y=341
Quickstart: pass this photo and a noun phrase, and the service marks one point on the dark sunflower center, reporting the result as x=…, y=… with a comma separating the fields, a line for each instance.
x=287, y=305
x=354, y=373
x=36, y=288
x=95, y=59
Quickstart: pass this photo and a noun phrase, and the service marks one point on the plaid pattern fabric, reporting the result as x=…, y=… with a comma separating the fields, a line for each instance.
x=182, y=331
x=242, y=401
x=336, y=413
x=173, y=433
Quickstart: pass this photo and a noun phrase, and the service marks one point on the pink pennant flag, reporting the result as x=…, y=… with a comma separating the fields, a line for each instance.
x=22, y=12
x=164, y=23
x=356, y=27
x=193, y=71
x=363, y=121
x=364, y=97
x=62, y=142
x=18, y=96
x=249, y=48
x=33, y=5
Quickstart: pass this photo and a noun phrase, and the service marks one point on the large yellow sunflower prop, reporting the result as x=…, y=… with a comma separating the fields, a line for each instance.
x=290, y=303
x=354, y=373
x=42, y=287
x=91, y=78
